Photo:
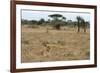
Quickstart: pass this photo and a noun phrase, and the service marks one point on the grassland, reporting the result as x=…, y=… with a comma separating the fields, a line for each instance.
x=42, y=43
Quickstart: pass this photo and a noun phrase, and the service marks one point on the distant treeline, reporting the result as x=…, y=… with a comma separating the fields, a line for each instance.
x=58, y=20
x=43, y=22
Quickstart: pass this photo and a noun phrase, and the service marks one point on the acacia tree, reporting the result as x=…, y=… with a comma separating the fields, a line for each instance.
x=57, y=20
x=55, y=16
x=81, y=23
x=78, y=22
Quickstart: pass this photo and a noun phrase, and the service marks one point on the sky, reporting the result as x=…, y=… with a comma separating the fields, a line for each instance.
x=37, y=15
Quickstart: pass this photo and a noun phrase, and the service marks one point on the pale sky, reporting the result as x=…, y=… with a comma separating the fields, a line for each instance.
x=37, y=15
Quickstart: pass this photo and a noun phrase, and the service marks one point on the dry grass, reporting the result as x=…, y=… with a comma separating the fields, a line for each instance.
x=46, y=44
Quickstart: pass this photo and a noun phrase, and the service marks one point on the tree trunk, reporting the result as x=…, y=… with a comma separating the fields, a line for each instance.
x=84, y=27
x=78, y=27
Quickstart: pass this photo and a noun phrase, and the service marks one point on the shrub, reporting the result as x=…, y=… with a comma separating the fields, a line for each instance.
x=33, y=26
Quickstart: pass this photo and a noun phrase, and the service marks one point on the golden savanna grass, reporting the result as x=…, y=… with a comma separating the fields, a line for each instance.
x=42, y=43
